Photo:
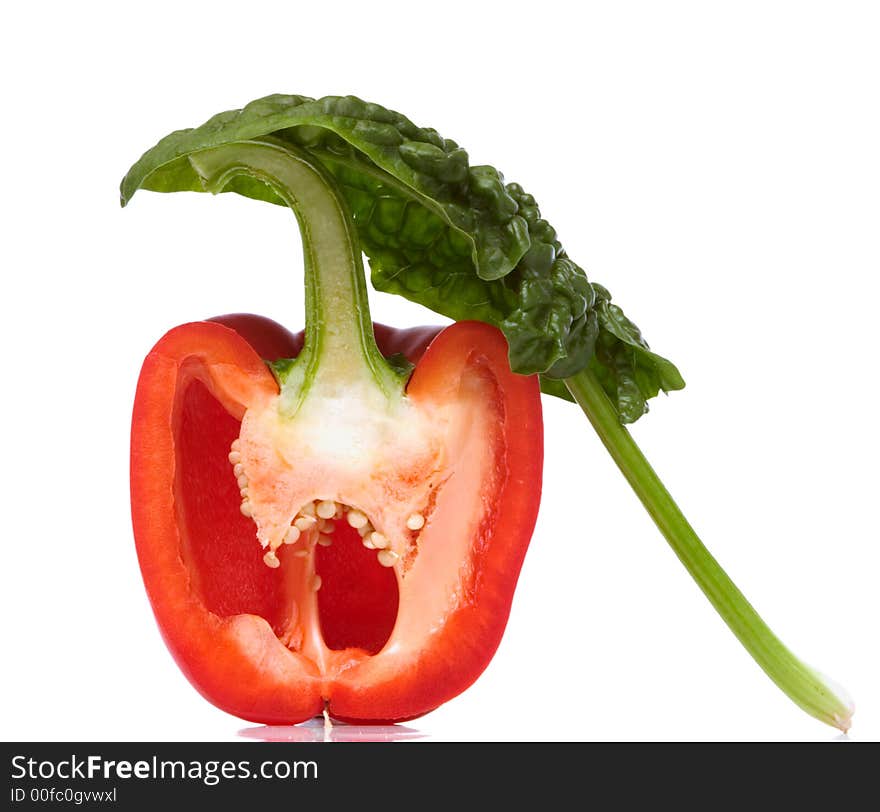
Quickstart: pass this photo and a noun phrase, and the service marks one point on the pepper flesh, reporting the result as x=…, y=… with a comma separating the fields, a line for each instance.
x=237, y=658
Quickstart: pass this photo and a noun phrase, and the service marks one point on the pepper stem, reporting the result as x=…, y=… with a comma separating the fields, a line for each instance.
x=339, y=332
x=801, y=683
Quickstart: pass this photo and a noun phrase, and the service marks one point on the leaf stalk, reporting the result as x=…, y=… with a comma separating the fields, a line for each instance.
x=803, y=685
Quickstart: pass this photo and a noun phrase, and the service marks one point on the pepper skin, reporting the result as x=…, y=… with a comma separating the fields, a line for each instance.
x=371, y=643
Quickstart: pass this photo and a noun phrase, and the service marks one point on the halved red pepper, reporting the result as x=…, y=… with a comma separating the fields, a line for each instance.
x=331, y=530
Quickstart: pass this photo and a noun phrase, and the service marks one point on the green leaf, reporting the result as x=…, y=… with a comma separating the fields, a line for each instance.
x=453, y=237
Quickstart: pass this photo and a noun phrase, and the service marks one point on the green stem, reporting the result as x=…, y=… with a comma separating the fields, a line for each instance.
x=339, y=332
x=803, y=685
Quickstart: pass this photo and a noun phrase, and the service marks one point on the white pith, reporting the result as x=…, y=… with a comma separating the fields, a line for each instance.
x=307, y=472
x=410, y=480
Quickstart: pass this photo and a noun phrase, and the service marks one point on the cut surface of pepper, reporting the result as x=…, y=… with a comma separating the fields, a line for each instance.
x=337, y=531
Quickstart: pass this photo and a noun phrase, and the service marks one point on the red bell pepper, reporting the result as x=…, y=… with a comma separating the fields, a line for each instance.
x=331, y=530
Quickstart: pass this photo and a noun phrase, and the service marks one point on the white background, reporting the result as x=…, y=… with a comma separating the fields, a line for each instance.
x=714, y=164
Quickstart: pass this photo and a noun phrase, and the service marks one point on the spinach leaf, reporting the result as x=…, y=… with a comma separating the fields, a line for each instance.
x=460, y=240
x=453, y=237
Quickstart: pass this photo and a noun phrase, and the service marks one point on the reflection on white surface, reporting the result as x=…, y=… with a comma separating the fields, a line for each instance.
x=316, y=731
